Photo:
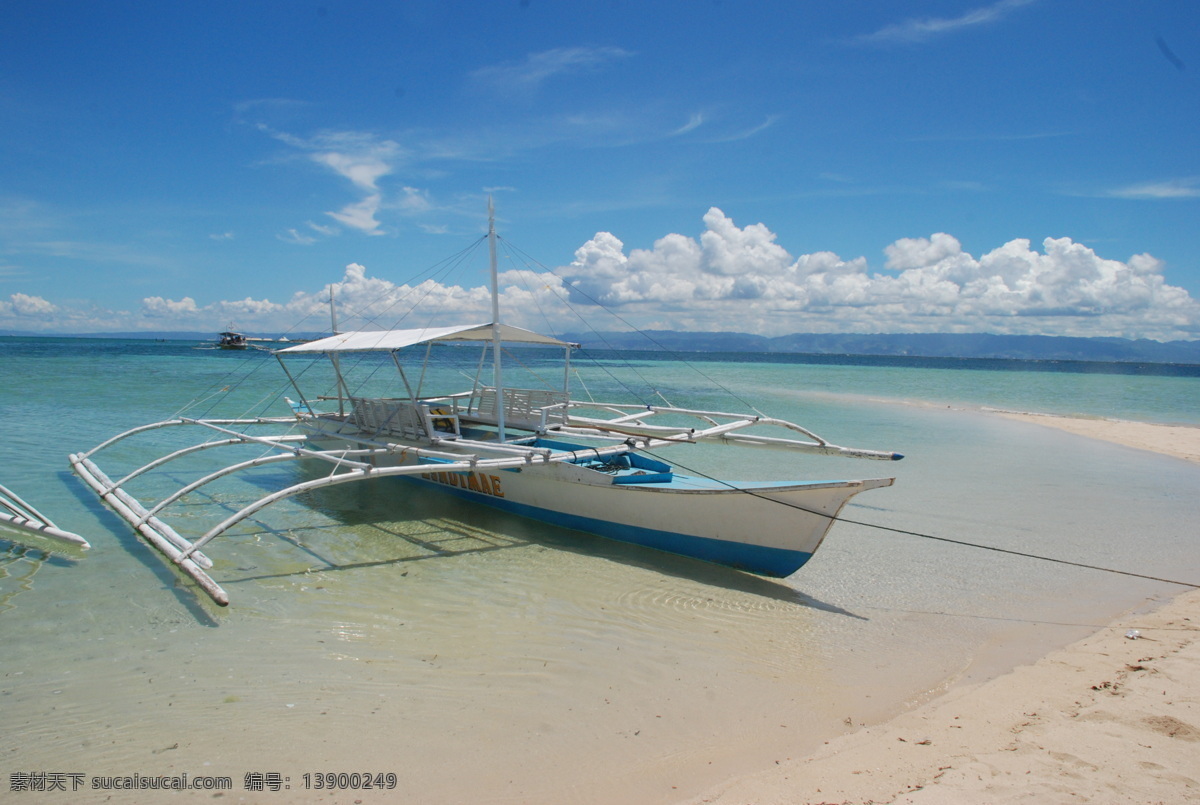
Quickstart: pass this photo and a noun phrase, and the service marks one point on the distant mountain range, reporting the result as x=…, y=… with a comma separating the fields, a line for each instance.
x=929, y=345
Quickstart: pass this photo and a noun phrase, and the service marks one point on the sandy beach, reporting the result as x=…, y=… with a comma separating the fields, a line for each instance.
x=1112, y=718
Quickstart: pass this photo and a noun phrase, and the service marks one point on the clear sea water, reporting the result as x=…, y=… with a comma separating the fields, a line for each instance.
x=484, y=658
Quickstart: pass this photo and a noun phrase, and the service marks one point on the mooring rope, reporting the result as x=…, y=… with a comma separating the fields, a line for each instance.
x=909, y=533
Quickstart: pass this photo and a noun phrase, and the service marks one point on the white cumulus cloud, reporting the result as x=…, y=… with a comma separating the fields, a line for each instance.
x=728, y=277
x=20, y=304
x=740, y=278
x=156, y=306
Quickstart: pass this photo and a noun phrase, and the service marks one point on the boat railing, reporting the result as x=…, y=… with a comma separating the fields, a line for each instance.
x=530, y=409
x=630, y=420
x=402, y=417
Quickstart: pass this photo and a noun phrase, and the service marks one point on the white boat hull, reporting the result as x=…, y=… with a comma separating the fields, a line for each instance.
x=771, y=529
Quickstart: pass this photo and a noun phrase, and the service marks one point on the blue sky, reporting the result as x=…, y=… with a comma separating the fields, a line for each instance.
x=961, y=165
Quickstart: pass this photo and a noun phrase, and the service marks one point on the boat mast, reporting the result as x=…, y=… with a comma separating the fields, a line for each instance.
x=498, y=375
x=342, y=390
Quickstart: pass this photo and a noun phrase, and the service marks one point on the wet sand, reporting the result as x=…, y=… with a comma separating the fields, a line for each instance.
x=1113, y=718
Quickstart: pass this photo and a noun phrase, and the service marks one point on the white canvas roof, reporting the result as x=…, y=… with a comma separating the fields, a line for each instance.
x=388, y=340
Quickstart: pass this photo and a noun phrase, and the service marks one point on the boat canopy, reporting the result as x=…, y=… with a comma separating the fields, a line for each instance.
x=389, y=340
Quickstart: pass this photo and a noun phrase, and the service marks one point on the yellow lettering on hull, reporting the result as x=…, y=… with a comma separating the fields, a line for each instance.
x=471, y=481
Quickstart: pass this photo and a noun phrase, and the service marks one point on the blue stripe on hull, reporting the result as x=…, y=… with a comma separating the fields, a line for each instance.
x=775, y=562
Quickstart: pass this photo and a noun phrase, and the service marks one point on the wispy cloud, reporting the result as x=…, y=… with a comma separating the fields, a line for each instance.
x=320, y=229
x=89, y=251
x=747, y=133
x=23, y=217
x=990, y=136
x=360, y=215
x=255, y=106
x=694, y=122
x=925, y=29
x=1172, y=188
x=363, y=158
x=527, y=76
x=297, y=238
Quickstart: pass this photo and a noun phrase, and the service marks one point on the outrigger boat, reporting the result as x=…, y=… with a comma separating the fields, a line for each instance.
x=535, y=452
x=232, y=340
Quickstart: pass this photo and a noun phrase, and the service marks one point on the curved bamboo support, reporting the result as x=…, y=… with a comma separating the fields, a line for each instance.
x=330, y=480
x=166, y=423
x=158, y=462
x=271, y=442
x=231, y=469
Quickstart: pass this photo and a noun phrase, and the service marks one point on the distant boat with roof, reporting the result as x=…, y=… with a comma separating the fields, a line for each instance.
x=232, y=340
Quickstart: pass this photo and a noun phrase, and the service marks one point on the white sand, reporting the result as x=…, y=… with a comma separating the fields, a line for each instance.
x=1107, y=720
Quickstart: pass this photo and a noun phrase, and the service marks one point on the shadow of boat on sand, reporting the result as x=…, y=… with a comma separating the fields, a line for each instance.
x=432, y=525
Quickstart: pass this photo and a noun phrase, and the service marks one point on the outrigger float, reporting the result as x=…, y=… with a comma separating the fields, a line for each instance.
x=16, y=513
x=535, y=452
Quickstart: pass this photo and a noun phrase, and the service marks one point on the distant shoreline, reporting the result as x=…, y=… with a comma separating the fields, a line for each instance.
x=688, y=345
x=597, y=350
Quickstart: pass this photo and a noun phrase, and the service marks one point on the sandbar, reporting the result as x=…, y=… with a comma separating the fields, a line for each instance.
x=1180, y=441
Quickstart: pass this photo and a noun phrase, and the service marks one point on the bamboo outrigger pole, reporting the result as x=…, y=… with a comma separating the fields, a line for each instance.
x=16, y=513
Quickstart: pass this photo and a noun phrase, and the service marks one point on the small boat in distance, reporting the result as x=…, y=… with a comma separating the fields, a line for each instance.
x=533, y=451
x=232, y=340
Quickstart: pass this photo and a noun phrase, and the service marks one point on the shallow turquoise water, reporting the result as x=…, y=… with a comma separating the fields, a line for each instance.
x=471, y=652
